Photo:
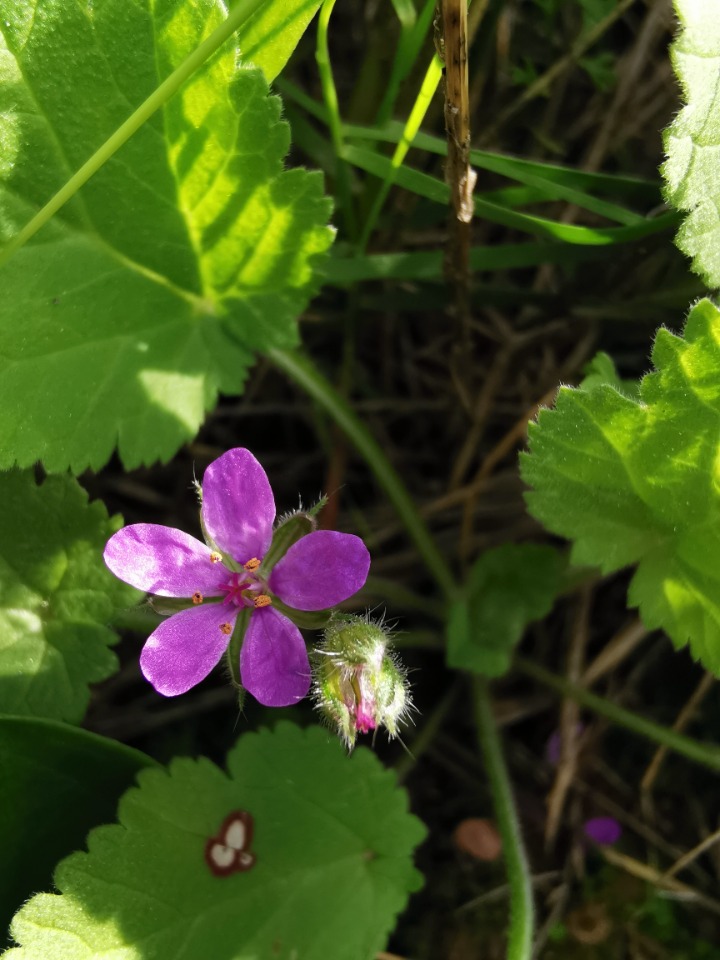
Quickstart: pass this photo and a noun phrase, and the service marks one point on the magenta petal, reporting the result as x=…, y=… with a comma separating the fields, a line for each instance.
x=238, y=507
x=320, y=570
x=185, y=647
x=163, y=561
x=274, y=664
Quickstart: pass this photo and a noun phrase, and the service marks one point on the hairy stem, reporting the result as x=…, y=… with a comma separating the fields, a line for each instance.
x=522, y=910
x=301, y=370
x=706, y=754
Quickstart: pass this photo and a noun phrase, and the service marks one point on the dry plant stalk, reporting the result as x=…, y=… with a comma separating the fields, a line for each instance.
x=459, y=175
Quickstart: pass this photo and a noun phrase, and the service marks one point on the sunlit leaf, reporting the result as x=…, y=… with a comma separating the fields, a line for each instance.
x=271, y=34
x=635, y=481
x=331, y=842
x=57, y=783
x=56, y=596
x=190, y=250
x=692, y=141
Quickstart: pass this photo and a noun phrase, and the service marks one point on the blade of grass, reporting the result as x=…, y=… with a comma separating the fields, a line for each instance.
x=427, y=265
x=327, y=82
x=411, y=41
x=392, y=167
x=515, y=168
x=433, y=189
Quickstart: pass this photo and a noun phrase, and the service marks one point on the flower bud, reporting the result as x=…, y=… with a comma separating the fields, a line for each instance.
x=359, y=686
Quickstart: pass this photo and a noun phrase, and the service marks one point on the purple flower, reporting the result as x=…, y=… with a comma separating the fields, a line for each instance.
x=605, y=831
x=320, y=570
x=553, y=747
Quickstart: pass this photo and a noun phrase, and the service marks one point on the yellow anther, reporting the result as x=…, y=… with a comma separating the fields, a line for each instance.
x=215, y=557
x=252, y=564
x=226, y=628
x=197, y=597
x=262, y=600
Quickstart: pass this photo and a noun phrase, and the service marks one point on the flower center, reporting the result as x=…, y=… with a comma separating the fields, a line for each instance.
x=246, y=589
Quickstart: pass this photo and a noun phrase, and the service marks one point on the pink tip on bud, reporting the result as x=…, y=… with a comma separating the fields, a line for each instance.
x=359, y=686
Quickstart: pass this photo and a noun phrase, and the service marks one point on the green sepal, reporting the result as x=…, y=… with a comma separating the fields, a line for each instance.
x=316, y=508
x=167, y=606
x=232, y=656
x=289, y=530
x=305, y=619
x=227, y=560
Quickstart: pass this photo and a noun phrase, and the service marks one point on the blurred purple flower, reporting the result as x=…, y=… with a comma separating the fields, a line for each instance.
x=320, y=570
x=553, y=747
x=605, y=831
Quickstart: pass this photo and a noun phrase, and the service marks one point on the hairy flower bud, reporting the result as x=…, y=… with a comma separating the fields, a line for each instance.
x=359, y=686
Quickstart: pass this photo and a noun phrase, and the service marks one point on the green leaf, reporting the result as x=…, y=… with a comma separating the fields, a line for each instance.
x=270, y=35
x=58, y=783
x=601, y=369
x=332, y=840
x=507, y=589
x=191, y=248
x=634, y=481
x=692, y=141
x=56, y=596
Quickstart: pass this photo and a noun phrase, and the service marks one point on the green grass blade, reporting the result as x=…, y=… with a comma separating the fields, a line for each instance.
x=433, y=189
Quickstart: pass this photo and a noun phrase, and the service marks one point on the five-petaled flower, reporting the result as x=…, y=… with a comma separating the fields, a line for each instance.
x=320, y=570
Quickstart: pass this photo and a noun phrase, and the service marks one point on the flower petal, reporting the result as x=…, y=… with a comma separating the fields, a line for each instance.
x=320, y=570
x=185, y=647
x=238, y=507
x=163, y=561
x=274, y=664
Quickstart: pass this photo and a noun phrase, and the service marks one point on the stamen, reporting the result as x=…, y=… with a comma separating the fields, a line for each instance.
x=226, y=628
x=262, y=600
x=197, y=597
x=252, y=564
x=215, y=557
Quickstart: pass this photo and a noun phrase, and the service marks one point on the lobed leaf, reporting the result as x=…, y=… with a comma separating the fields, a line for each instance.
x=635, y=481
x=508, y=587
x=58, y=783
x=56, y=597
x=332, y=841
x=190, y=250
x=692, y=141
x=269, y=36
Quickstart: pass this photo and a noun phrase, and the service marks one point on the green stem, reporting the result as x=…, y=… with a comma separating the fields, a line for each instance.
x=522, y=910
x=301, y=370
x=327, y=81
x=706, y=754
x=240, y=12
